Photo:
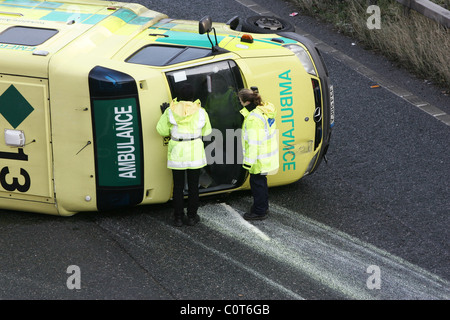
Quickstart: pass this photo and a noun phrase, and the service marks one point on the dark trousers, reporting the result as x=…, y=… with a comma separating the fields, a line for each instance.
x=260, y=192
x=193, y=176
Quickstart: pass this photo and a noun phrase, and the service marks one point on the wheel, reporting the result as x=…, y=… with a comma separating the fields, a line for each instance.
x=265, y=24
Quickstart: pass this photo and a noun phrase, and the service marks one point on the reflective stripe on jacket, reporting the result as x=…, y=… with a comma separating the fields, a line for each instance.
x=185, y=122
x=260, y=140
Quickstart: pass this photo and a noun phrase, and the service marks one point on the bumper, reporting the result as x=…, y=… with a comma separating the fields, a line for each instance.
x=326, y=94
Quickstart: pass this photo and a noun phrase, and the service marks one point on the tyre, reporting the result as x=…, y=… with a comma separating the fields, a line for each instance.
x=266, y=24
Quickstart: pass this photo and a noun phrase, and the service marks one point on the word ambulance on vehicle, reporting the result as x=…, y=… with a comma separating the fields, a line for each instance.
x=81, y=84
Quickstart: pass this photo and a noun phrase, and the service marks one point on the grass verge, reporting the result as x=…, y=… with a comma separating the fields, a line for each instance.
x=406, y=37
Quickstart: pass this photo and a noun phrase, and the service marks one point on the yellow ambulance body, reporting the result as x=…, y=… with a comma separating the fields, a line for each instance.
x=81, y=84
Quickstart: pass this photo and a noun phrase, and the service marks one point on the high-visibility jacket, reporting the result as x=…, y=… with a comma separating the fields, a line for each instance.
x=185, y=122
x=260, y=140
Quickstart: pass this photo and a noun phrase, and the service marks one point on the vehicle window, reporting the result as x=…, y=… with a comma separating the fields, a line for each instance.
x=26, y=36
x=157, y=55
x=191, y=54
x=216, y=85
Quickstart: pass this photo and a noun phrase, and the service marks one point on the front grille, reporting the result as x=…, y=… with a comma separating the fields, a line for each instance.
x=317, y=112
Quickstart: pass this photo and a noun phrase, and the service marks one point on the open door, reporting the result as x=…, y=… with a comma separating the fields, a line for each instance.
x=217, y=85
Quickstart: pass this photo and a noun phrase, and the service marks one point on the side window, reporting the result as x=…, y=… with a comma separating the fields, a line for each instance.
x=26, y=36
x=162, y=55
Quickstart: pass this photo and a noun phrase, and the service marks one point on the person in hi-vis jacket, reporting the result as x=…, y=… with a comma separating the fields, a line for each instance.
x=260, y=148
x=186, y=122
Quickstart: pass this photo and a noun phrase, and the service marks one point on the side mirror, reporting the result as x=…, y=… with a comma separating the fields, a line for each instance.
x=233, y=22
x=205, y=25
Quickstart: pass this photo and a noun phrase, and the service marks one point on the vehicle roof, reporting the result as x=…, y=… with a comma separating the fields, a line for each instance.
x=71, y=19
x=67, y=15
x=104, y=25
x=61, y=12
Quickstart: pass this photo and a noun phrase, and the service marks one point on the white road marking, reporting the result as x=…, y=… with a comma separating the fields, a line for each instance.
x=326, y=255
x=305, y=248
x=139, y=240
x=245, y=223
x=240, y=265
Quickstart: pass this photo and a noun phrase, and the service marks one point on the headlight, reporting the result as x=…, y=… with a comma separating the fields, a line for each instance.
x=303, y=56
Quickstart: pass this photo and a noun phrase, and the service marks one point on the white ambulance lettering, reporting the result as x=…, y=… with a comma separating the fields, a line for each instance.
x=125, y=149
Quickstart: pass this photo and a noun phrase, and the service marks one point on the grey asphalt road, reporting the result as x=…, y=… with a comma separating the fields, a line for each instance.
x=381, y=200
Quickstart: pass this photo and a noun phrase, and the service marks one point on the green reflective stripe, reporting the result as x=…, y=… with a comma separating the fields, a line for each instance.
x=125, y=14
x=49, y=5
x=61, y=16
x=19, y=3
x=130, y=17
x=187, y=39
x=94, y=19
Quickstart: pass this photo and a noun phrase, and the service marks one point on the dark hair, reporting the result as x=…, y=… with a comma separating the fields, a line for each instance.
x=250, y=95
x=186, y=93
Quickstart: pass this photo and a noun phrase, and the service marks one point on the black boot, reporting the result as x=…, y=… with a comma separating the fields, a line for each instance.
x=250, y=215
x=192, y=219
x=178, y=220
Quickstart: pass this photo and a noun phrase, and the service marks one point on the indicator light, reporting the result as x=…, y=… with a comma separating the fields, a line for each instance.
x=247, y=38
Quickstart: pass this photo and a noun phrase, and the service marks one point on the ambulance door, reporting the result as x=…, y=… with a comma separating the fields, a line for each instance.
x=25, y=143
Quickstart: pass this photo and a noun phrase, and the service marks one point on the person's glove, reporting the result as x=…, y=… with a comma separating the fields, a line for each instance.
x=164, y=106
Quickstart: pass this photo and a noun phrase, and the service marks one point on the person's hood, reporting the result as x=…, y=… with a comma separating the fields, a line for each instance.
x=183, y=110
x=268, y=109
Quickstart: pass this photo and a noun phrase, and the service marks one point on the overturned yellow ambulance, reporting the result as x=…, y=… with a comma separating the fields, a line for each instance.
x=81, y=84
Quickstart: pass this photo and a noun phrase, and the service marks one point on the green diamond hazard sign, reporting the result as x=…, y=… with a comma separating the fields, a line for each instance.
x=14, y=107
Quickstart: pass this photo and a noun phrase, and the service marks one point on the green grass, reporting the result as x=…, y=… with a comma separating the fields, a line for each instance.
x=408, y=38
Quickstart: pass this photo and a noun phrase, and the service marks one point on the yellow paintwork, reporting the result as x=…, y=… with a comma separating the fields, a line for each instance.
x=59, y=132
